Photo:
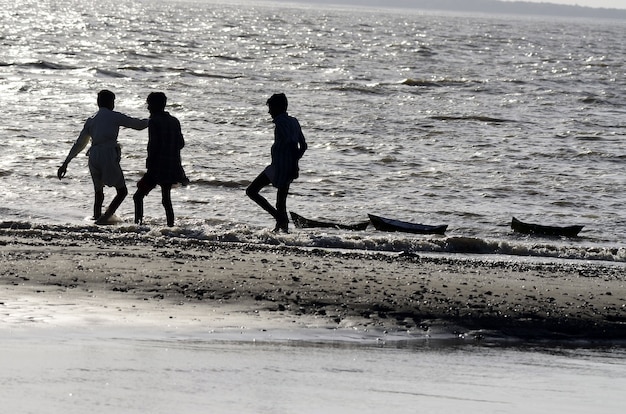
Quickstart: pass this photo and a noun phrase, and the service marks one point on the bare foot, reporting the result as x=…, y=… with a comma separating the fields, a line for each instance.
x=104, y=220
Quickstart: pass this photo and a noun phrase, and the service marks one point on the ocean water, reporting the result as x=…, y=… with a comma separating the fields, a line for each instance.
x=423, y=117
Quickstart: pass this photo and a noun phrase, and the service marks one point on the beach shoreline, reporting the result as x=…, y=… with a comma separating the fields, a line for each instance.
x=119, y=277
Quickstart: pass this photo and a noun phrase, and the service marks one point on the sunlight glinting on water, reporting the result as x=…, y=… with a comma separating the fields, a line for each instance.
x=463, y=120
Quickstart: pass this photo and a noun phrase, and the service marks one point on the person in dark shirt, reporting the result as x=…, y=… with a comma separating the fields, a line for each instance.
x=288, y=147
x=163, y=164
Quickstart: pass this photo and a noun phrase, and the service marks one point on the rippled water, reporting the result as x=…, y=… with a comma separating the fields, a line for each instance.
x=463, y=120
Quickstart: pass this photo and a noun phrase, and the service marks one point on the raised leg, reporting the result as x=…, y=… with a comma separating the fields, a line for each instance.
x=253, y=191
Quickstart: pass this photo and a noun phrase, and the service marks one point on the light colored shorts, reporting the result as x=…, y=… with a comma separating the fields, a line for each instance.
x=104, y=166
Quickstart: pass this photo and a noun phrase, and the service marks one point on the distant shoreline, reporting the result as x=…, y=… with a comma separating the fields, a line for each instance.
x=515, y=8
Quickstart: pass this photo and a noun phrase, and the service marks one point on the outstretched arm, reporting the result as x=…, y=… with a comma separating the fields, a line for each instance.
x=79, y=145
x=134, y=123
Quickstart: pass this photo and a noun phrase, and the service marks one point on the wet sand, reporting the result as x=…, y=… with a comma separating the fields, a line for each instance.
x=121, y=278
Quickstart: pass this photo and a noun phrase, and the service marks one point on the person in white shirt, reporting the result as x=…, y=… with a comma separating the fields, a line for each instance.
x=105, y=153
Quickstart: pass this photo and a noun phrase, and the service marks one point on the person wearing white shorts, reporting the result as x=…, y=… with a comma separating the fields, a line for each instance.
x=105, y=153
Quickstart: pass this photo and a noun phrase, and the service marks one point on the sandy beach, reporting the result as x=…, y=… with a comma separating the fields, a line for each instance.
x=93, y=276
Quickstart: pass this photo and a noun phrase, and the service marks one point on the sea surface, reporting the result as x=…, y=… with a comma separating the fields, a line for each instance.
x=465, y=120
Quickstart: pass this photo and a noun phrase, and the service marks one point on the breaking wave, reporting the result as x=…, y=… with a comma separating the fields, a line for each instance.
x=228, y=232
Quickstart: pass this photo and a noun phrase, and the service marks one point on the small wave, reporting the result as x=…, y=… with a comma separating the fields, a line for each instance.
x=44, y=64
x=435, y=84
x=591, y=138
x=210, y=75
x=108, y=73
x=593, y=100
x=15, y=225
x=228, y=58
x=419, y=244
x=359, y=149
x=360, y=89
x=141, y=68
x=419, y=82
x=426, y=51
x=470, y=118
x=388, y=159
x=221, y=183
x=481, y=246
x=228, y=232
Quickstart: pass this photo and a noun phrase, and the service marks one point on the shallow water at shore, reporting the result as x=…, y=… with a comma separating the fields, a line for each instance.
x=135, y=370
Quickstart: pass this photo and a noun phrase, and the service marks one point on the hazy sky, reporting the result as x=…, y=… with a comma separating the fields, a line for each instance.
x=611, y=4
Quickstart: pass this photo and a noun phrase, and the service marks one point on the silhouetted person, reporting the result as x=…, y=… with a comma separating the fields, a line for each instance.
x=105, y=153
x=288, y=147
x=165, y=140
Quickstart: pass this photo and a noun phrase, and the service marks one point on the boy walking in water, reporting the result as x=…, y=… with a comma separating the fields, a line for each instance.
x=288, y=147
x=165, y=140
x=105, y=153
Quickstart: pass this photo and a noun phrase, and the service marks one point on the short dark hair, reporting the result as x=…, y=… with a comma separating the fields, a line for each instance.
x=157, y=100
x=106, y=98
x=278, y=101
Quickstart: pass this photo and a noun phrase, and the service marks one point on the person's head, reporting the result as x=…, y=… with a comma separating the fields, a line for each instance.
x=106, y=99
x=156, y=102
x=277, y=104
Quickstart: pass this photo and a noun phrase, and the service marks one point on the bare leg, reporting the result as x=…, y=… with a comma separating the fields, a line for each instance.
x=282, y=221
x=144, y=186
x=138, y=199
x=166, y=200
x=97, y=204
x=122, y=192
x=253, y=192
